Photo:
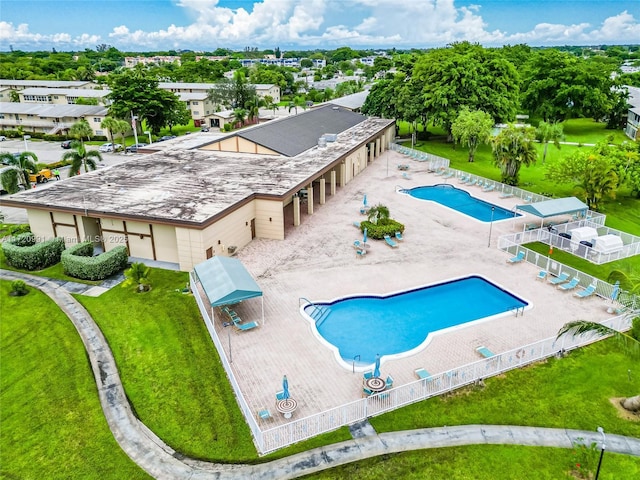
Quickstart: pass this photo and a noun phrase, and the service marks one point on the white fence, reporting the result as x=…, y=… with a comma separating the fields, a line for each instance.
x=434, y=162
x=272, y=439
x=559, y=236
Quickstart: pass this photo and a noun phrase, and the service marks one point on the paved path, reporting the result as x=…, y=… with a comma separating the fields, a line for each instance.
x=161, y=461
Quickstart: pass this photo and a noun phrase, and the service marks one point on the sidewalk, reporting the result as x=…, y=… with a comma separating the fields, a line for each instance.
x=161, y=461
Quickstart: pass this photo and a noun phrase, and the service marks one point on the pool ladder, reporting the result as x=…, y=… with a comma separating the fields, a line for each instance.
x=519, y=309
x=319, y=314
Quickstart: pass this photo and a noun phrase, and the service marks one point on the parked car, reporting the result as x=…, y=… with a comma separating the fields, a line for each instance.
x=66, y=144
x=134, y=148
x=166, y=137
x=110, y=147
x=204, y=129
x=2, y=138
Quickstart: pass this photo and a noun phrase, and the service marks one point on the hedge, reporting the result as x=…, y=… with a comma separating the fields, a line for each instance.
x=382, y=228
x=79, y=262
x=24, y=253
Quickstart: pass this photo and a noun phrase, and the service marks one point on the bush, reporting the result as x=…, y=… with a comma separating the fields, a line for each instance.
x=18, y=288
x=79, y=262
x=383, y=227
x=227, y=127
x=24, y=253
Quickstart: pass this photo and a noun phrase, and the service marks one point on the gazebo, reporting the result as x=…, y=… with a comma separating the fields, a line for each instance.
x=552, y=208
x=225, y=281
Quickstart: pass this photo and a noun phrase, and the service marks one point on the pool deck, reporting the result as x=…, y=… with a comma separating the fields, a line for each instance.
x=317, y=261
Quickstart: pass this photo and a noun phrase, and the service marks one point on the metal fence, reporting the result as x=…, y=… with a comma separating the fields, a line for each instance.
x=434, y=162
x=274, y=438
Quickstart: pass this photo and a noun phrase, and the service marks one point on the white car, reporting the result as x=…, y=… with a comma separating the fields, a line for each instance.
x=110, y=147
x=2, y=138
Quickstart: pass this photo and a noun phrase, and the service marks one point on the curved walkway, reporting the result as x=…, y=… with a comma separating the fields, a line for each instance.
x=161, y=461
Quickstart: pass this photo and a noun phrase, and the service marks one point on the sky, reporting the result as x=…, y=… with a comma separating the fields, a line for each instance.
x=204, y=25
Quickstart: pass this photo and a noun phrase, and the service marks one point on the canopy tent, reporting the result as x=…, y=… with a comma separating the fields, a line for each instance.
x=225, y=281
x=551, y=208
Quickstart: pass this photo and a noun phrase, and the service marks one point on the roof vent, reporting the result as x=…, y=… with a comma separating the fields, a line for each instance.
x=330, y=137
x=335, y=108
x=322, y=142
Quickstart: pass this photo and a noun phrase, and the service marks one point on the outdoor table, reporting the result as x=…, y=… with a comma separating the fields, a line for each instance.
x=375, y=384
x=287, y=406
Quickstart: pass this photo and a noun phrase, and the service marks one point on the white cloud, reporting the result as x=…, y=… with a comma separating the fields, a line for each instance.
x=21, y=36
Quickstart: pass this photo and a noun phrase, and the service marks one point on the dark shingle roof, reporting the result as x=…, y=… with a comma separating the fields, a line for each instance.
x=295, y=134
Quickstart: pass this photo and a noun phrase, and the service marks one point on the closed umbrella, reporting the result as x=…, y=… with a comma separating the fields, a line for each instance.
x=364, y=200
x=615, y=291
x=365, y=235
x=376, y=369
x=285, y=387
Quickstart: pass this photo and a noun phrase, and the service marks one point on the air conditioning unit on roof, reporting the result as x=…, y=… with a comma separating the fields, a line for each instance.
x=330, y=137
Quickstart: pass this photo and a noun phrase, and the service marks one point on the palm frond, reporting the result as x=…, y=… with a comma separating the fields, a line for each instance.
x=581, y=327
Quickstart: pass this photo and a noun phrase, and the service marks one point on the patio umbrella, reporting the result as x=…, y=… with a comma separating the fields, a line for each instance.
x=285, y=387
x=364, y=200
x=615, y=291
x=365, y=235
x=376, y=369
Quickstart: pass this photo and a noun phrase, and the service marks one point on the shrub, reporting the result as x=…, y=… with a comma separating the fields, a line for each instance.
x=227, y=127
x=24, y=253
x=383, y=227
x=79, y=262
x=18, y=288
x=138, y=277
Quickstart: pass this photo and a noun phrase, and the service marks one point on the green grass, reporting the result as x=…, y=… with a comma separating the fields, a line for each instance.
x=587, y=131
x=52, y=423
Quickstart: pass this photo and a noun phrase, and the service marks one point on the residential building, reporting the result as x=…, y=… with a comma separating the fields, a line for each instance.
x=633, y=115
x=49, y=118
x=62, y=96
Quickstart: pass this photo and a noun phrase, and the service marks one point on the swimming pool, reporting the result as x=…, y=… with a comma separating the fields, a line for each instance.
x=461, y=201
x=359, y=327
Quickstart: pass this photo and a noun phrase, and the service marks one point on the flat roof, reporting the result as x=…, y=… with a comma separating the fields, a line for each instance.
x=190, y=187
x=76, y=92
x=52, y=109
x=46, y=83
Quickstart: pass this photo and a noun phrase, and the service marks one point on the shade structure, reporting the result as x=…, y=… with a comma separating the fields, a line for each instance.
x=285, y=387
x=376, y=368
x=551, y=208
x=225, y=281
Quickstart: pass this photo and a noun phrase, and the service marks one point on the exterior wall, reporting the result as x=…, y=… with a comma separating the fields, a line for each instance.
x=633, y=125
x=191, y=249
x=40, y=222
x=232, y=230
x=166, y=243
x=35, y=123
x=238, y=145
x=269, y=219
x=273, y=92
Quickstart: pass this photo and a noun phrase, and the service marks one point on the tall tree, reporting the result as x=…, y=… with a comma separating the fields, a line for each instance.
x=549, y=132
x=592, y=172
x=239, y=115
x=234, y=93
x=110, y=124
x=471, y=129
x=512, y=148
x=80, y=157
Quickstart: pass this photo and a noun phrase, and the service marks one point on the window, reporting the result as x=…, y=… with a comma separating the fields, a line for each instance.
x=96, y=120
x=195, y=112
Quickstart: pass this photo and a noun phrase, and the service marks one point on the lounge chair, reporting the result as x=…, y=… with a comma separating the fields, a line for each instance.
x=399, y=236
x=230, y=313
x=449, y=174
x=485, y=352
x=590, y=290
x=406, y=176
x=244, y=326
x=518, y=258
x=506, y=195
x=542, y=274
x=390, y=241
x=463, y=178
x=563, y=277
x=356, y=224
x=489, y=188
x=422, y=374
x=264, y=414
x=472, y=182
x=570, y=285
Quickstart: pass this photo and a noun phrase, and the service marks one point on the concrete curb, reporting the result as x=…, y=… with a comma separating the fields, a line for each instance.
x=161, y=461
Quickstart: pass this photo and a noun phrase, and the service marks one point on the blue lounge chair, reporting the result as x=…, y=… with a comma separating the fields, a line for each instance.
x=489, y=188
x=506, y=195
x=356, y=224
x=422, y=374
x=244, y=326
x=230, y=313
x=264, y=414
x=390, y=241
x=590, y=290
x=518, y=258
x=406, y=176
x=570, y=285
x=542, y=274
x=563, y=277
x=485, y=352
x=399, y=236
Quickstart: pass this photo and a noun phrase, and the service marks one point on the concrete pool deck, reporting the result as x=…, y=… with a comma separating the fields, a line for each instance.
x=317, y=261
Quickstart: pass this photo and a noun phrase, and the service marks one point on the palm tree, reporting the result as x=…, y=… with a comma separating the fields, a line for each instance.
x=378, y=213
x=111, y=124
x=512, y=148
x=239, y=114
x=549, y=132
x=137, y=276
x=81, y=129
x=79, y=157
x=122, y=127
x=25, y=162
x=630, y=345
x=269, y=103
x=629, y=281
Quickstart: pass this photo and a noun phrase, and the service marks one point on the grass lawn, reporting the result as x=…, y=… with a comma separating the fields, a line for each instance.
x=52, y=423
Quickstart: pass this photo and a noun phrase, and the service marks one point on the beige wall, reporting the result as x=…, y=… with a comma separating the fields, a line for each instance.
x=269, y=219
x=191, y=249
x=40, y=222
x=166, y=243
x=239, y=145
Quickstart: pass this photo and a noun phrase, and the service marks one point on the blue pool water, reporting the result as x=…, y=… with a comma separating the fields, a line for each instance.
x=395, y=324
x=462, y=201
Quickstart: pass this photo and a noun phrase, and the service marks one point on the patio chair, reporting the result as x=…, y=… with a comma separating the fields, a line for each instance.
x=542, y=274
x=264, y=414
x=280, y=396
x=489, y=188
x=360, y=252
x=389, y=381
x=229, y=313
x=406, y=176
x=356, y=224
x=366, y=392
x=244, y=326
x=399, y=236
x=518, y=258
x=367, y=375
x=422, y=374
x=570, y=285
x=485, y=352
x=563, y=277
x=590, y=290
x=390, y=241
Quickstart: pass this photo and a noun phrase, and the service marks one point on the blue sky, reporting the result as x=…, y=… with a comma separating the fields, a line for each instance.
x=147, y=25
